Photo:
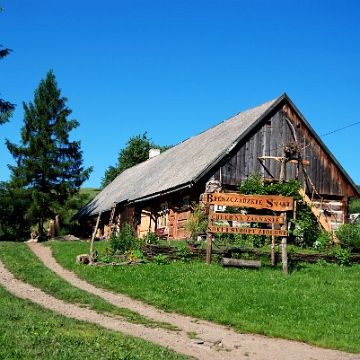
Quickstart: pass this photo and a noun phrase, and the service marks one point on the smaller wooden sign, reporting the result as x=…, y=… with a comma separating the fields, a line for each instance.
x=248, y=218
x=246, y=231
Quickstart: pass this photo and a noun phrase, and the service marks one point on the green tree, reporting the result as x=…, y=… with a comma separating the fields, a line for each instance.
x=14, y=222
x=136, y=151
x=6, y=108
x=48, y=165
x=355, y=204
x=197, y=221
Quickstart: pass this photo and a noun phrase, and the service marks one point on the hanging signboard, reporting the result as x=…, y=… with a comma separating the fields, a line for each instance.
x=246, y=230
x=247, y=218
x=271, y=202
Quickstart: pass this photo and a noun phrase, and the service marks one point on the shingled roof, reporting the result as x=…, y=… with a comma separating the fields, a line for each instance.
x=182, y=165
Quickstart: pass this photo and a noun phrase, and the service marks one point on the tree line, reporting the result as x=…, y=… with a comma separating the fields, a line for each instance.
x=49, y=171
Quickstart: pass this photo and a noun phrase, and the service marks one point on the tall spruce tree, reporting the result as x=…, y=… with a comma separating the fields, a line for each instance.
x=49, y=167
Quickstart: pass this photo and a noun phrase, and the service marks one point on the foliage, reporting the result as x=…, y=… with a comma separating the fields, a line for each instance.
x=355, y=204
x=343, y=256
x=323, y=241
x=68, y=210
x=48, y=164
x=197, y=221
x=161, y=260
x=14, y=222
x=150, y=238
x=125, y=240
x=184, y=253
x=303, y=306
x=349, y=236
x=135, y=255
x=306, y=230
x=6, y=108
x=136, y=151
x=255, y=185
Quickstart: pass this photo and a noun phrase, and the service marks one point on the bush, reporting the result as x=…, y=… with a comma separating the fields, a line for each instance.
x=306, y=228
x=184, y=253
x=197, y=221
x=150, y=238
x=343, y=256
x=161, y=260
x=125, y=240
x=349, y=236
x=322, y=242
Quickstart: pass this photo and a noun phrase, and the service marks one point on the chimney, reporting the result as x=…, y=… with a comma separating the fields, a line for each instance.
x=153, y=153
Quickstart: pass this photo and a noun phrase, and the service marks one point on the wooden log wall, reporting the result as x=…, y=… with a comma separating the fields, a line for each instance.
x=152, y=250
x=267, y=139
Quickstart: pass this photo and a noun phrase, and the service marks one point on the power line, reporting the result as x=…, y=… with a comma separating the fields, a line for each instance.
x=345, y=127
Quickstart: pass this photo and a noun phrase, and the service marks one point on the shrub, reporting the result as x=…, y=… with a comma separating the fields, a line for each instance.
x=150, y=238
x=135, y=255
x=161, y=260
x=349, y=236
x=197, y=221
x=306, y=229
x=343, y=256
x=125, y=240
x=184, y=253
x=322, y=242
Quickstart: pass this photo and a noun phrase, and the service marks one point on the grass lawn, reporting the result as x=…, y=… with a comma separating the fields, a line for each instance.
x=316, y=304
x=29, y=331
x=26, y=266
x=91, y=192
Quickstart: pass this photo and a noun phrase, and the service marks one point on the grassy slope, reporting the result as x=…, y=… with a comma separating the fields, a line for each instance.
x=92, y=192
x=26, y=266
x=316, y=304
x=33, y=332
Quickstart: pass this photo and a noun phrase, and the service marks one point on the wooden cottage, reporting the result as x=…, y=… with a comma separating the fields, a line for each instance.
x=273, y=139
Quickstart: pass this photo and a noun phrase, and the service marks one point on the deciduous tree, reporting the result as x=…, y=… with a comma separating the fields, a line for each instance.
x=136, y=151
x=48, y=165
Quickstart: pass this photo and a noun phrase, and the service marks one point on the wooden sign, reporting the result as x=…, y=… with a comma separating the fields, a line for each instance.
x=272, y=202
x=248, y=218
x=246, y=231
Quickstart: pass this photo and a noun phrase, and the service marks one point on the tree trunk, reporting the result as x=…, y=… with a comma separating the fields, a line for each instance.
x=41, y=229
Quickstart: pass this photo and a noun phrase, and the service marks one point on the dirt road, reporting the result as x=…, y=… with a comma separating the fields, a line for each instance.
x=214, y=341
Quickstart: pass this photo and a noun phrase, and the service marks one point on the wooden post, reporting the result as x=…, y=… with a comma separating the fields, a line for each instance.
x=57, y=225
x=273, y=246
x=284, y=256
x=282, y=168
x=209, y=239
x=92, y=240
x=51, y=229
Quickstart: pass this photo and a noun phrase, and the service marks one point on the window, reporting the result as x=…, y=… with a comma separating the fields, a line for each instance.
x=162, y=216
x=186, y=201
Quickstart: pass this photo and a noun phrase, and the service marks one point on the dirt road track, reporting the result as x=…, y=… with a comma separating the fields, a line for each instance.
x=233, y=345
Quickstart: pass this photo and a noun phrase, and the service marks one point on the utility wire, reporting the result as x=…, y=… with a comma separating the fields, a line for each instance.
x=345, y=127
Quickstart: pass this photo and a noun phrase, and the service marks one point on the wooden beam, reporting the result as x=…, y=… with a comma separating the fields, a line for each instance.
x=315, y=211
x=92, y=257
x=281, y=159
x=241, y=263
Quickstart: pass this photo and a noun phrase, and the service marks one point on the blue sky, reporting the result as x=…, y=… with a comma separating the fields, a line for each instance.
x=175, y=68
